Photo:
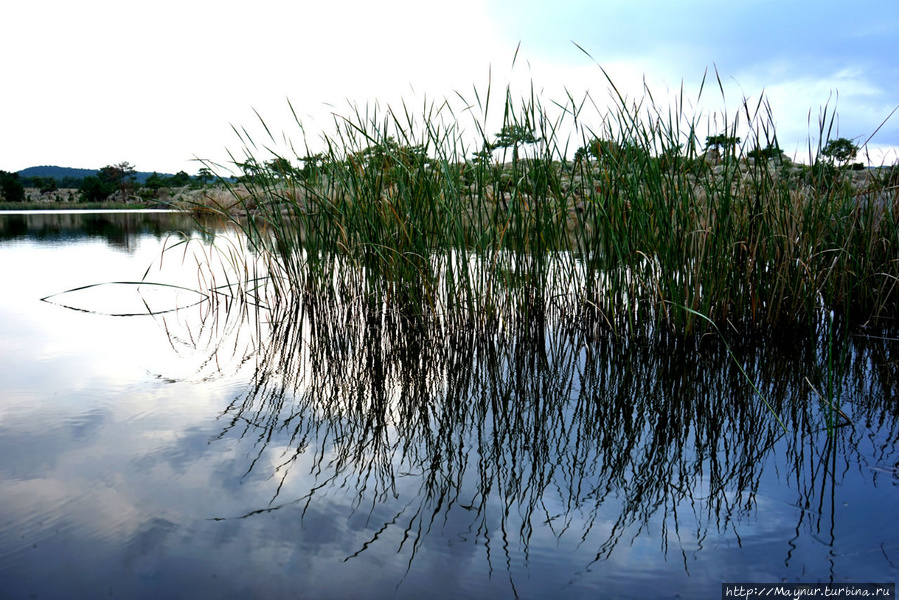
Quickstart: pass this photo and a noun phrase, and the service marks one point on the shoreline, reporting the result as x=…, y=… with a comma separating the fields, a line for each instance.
x=78, y=206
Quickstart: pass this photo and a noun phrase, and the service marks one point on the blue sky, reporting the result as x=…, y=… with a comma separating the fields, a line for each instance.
x=99, y=82
x=800, y=55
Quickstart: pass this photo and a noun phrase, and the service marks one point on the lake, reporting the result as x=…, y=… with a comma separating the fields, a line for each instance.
x=161, y=441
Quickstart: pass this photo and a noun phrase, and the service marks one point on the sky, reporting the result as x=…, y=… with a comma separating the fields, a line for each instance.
x=161, y=85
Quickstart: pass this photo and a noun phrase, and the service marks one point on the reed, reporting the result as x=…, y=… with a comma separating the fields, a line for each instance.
x=609, y=219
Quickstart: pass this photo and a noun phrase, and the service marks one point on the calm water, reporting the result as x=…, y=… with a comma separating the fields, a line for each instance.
x=224, y=451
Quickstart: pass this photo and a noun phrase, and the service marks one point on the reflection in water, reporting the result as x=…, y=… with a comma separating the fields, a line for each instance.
x=359, y=452
x=496, y=439
x=120, y=229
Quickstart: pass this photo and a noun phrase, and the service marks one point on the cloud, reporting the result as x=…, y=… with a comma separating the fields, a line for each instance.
x=800, y=59
x=101, y=82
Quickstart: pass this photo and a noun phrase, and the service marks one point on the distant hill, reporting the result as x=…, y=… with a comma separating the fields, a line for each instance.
x=70, y=174
x=57, y=172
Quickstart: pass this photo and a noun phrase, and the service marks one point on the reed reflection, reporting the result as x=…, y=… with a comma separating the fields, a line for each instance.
x=537, y=426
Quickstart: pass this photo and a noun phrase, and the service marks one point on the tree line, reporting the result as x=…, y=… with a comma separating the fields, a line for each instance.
x=119, y=180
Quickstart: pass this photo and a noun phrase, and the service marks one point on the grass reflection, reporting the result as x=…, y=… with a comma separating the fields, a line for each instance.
x=540, y=426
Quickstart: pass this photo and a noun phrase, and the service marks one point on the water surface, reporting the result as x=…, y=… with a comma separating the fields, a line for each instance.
x=220, y=449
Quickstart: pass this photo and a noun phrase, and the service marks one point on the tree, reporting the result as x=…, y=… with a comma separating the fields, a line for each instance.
x=11, y=188
x=280, y=168
x=252, y=170
x=313, y=166
x=95, y=189
x=840, y=150
x=772, y=150
x=47, y=184
x=120, y=176
x=722, y=142
x=513, y=136
x=612, y=152
x=179, y=179
x=155, y=181
x=599, y=149
x=205, y=175
x=389, y=159
x=482, y=157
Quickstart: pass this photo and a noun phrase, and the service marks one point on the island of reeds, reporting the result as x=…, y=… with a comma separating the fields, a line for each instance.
x=634, y=220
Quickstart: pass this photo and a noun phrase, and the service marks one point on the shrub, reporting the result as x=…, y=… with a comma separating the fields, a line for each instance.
x=11, y=188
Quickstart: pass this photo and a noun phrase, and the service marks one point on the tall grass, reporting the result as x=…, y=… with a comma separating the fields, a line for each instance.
x=608, y=219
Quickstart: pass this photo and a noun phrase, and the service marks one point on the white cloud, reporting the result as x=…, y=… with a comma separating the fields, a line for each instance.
x=100, y=82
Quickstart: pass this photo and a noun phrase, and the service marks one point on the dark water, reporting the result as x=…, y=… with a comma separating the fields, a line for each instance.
x=225, y=450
